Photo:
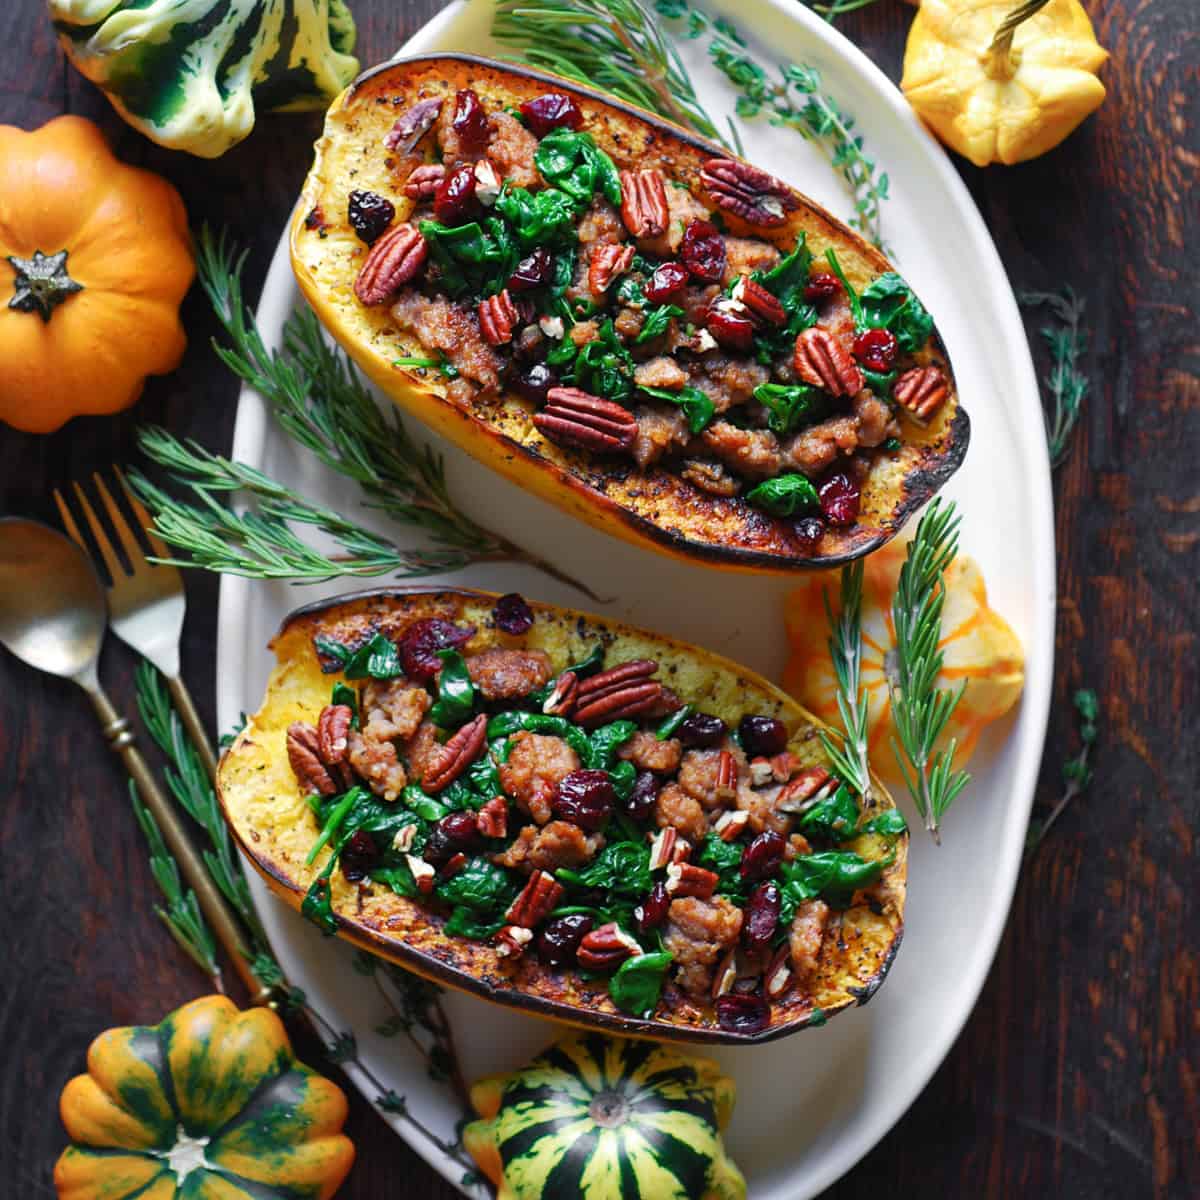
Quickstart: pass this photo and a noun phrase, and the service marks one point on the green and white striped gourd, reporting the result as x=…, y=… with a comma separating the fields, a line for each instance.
x=189, y=73
x=600, y=1118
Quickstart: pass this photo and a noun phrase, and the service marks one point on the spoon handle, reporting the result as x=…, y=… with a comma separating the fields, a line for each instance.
x=212, y=903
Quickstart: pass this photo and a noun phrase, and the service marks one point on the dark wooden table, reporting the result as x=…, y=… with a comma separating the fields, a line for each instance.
x=1078, y=1074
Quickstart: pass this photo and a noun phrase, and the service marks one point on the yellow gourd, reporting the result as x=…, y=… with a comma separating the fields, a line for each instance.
x=978, y=644
x=999, y=84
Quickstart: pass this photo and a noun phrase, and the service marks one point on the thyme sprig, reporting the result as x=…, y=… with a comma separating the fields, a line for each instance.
x=1076, y=771
x=792, y=98
x=615, y=45
x=320, y=401
x=920, y=709
x=850, y=758
x=1066, y=385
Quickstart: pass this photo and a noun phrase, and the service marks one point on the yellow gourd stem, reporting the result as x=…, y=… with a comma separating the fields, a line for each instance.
x=998, y=59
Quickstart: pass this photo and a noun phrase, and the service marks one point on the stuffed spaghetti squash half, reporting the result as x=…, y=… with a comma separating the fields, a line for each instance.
x=662, y=339
x=567, y=815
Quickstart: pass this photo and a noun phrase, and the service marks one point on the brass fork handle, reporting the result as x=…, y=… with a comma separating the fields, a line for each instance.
x=212, y=903
x=192, y=723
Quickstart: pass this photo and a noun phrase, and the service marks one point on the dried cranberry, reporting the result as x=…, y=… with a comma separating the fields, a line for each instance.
x=808, y=531
x=558, y=941
x=763, y=856
x=586, y=798
x=699, y=729
x=454, y=832
x=551, y=111
x=423, y=639
x=532, y=271
x=876, y=349
x=512, y=614
x=762, y=736
x=821, y=286
x=703, y=251
x=535, y=383
x=652, y=911
x=839, y=499
x=732, y=329
x=469, y=122
x=370, y=214
x=761, y=917
x=740, y=1013
x=668, y=280
x=359, y=856
x=454, y=199
x=642, y=796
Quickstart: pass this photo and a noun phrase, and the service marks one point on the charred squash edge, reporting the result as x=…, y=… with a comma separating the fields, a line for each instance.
x=429, y=967
x=559, y=485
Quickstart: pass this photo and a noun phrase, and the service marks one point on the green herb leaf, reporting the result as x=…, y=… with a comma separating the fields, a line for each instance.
x=785, y=495
x=637, y=983
x=1066, y=384
x=456, y=692
x=789, y=405
x=672, y=723
x=851, y=295
x=697, y=407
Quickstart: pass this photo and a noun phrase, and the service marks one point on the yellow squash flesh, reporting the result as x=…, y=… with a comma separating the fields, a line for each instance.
x=276, y=828
x=653, y=508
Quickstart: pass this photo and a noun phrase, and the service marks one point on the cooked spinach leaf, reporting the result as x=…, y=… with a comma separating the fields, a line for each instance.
x=545, y=218
x=377, y=659
x=332, y=823
x=604, y=742
x=725, y=858
x=465, y=922
x=789, y=277
x=889, y=303
x=697, y=407
x=511, y=722
x=888, y=824
x=456, y=692
x=574, y=163
x=833, y=818
x=317, y=904
x=672, y=723
x=638, y=982
x=785, y=495
x=621, y=868
x=469, y=258
x=656, y=322
x=423, y=804
x=789, y=405
x=833, y=875
x=481, y=886
x=344, y=694
x=604, y=366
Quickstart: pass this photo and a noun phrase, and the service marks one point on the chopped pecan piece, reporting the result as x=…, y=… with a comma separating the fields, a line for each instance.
x=412, y=125
x=922, y=391
x=607, y=262
x=512, y=940
x=457, y=755
x=662, y=848
x=726, y=975
x=562, y=695
x=778, y=976
x=394, y=259
x=820, y=359
x=492, y=818
x=578, y=419
x=606, y=947
x=304, y=755
x=333, y=731
x=538, y=899
x=423, y=181
x=498, y=317
x=422, y=872
x=644, y=202
x=763, y=306
x=805, y=789
x=748, y=192
x=730, y=825
x=686, y=879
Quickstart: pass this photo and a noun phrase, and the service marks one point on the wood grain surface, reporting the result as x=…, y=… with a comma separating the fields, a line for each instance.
x=1078, y=1074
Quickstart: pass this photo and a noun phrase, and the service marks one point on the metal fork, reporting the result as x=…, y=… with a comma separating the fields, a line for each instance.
x=146, y=604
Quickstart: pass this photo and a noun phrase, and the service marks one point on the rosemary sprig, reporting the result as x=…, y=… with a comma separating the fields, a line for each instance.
x=1066, y=385
x=794, y=100
x=1076, y=771
x=614, y=45
x=920, y=709
x=182, y=915
x=849, y=759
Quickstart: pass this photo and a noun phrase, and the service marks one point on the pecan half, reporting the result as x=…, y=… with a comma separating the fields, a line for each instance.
x=804, y=790
x=606, y=947
x=457, y=755
x=333, y=733
x=394, y=259
x=922, y=391
x=607, y=262
x=687, y=879
x=578, y=419
x=763, y=306
x=304, y=755
x=538, y=899
x=748, y=192
x=617, y=693
x=412, y=125
x=820, y=359
x=498, y=317
x=562, y=695
x=492, y=819
x=422, y=183
x=644, y=203
x=512, y=940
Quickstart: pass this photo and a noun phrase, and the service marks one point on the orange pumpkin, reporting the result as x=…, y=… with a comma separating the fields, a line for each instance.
x=95, y=258
x=978, y=644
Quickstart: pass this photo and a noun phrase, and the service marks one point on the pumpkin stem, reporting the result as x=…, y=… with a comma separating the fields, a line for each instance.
x=999, y=62
x=41, y=283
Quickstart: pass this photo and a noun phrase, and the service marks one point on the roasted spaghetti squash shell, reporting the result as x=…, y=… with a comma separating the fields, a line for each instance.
x=276, y=828
x=652, y=508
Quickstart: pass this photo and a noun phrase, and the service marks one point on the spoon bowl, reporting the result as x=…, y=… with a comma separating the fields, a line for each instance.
x=52, y=609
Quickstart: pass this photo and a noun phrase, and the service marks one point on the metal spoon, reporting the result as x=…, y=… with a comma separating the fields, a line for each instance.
x=53, y=616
